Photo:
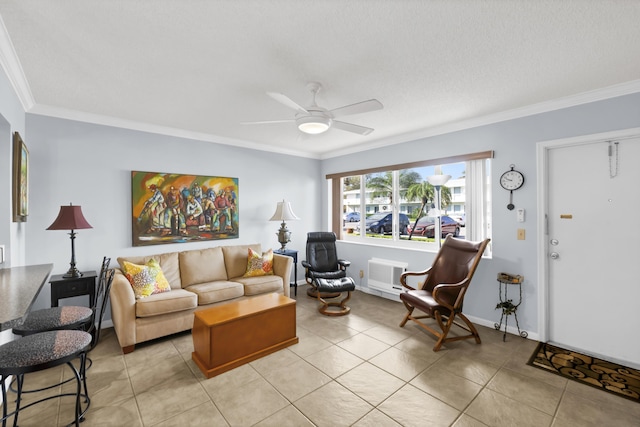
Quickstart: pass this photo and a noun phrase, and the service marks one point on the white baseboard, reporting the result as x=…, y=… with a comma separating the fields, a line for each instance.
x=510, y=329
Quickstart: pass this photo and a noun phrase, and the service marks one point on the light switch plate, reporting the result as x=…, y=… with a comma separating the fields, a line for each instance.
x=1, y=254
x=521, y=234
x=520, y=214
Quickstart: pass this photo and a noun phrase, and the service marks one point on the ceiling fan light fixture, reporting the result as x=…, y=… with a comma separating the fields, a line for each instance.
x=313, y=125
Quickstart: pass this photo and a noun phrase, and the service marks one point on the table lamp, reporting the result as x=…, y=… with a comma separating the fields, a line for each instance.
x=283, y=213
x=70, y=218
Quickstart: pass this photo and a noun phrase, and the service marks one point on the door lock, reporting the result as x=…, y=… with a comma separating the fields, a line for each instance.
x=554, y=255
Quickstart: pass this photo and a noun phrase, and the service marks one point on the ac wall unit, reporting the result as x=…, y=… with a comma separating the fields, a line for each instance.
x=384, y=275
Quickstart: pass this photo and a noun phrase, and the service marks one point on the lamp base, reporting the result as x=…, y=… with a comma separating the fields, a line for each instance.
x=73, y=272
x=284, y=236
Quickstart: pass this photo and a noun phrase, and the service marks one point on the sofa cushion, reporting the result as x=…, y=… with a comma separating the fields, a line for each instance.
x=170, y=302
x=168, y=262
x=147, y=279
x=261, y=284
x=221, y=290
x=259, y=264
x=202, y=266
x=235, y=258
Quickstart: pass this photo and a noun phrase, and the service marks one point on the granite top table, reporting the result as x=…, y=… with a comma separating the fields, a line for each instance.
x=19, y=287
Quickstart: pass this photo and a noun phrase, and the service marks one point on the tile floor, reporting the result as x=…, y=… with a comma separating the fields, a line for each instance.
x=361, y=370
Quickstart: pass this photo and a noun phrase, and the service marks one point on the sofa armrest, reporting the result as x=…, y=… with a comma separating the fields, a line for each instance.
x=123, y=310
x=282, y=266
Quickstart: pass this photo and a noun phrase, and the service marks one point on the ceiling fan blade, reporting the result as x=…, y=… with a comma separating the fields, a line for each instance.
x=357, y=108
x=350, y=127
x=267, y=122
x=285, y=100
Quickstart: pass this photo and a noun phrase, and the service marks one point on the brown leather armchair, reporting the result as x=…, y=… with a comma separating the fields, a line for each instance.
x=442, y=293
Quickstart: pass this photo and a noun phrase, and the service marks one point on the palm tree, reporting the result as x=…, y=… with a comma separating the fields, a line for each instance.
x=382, y=185
x=352, y=182
x=425, y=192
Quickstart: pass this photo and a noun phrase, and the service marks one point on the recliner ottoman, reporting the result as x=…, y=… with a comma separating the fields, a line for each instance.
x=333, y=286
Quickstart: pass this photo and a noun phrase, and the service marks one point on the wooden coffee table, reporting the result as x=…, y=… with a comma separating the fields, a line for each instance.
x=230, y=335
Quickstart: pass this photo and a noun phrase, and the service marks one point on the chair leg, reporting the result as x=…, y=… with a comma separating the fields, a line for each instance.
x=472, y=328
x=18, y=399
x=83, y=373
x=408, y=315
x=445, y=323
x=442, y=337
x=4, y=402
x=78, y=391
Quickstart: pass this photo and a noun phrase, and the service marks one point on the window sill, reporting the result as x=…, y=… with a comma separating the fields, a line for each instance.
x=401, y=245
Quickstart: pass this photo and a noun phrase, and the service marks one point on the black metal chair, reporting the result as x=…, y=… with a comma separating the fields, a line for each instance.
x=70, y=318
x=59, y=318
x=42, y=351
x=104, y=287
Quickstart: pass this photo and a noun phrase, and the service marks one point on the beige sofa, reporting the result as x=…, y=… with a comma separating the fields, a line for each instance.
x=199, y=279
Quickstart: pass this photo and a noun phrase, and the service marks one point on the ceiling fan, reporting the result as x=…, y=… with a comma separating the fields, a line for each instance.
x=315, y=119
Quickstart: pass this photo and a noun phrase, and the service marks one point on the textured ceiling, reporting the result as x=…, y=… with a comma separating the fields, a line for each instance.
x=201, y=67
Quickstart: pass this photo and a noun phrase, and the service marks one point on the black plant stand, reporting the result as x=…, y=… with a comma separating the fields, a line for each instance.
x=506, y=305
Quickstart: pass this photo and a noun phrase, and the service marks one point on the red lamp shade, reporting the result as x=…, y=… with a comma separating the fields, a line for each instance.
x=70, y=218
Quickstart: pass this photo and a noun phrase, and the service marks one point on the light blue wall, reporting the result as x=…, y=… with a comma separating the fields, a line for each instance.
x=90, y=165
x=12, y=119
x=514, y=142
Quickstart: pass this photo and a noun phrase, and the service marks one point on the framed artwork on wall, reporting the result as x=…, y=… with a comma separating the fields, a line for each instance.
x=20, y=179
x=177, y=208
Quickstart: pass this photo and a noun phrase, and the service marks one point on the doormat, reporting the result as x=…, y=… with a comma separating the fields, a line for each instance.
x=608, y=376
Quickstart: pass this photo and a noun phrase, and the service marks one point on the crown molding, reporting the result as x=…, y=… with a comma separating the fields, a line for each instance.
x=542, y=107
x=614, y=91
x=13, y=69
x=80, y=116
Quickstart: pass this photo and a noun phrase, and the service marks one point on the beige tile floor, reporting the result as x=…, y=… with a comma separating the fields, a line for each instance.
x=361, y=370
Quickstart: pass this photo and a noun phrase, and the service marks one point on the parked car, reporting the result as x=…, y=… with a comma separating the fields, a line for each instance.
x=426, y=226
x=461, y=218
x=381, y=222
x=352, y=217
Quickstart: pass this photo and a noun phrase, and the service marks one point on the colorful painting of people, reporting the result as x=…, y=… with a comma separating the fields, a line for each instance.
x=170, y=208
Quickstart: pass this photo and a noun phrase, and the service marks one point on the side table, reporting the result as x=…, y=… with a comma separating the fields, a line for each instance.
x=506, y=305
x=293, y=254
x=65, y=287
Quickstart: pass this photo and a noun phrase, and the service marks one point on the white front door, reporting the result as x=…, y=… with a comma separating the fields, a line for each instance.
x=593, y=248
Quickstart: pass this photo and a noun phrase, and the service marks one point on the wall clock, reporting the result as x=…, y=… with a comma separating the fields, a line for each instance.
x=511, y=180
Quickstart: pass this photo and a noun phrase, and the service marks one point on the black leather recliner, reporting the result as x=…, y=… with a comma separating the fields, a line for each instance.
x=322, y=260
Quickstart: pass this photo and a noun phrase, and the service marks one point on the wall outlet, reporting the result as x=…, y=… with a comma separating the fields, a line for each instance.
x=521, y=234
x=361, y=274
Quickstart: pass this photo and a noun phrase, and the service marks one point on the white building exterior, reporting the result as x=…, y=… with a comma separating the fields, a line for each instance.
x=351, y=201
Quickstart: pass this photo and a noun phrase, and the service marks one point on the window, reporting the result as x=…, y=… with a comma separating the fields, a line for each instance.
x=397, y=205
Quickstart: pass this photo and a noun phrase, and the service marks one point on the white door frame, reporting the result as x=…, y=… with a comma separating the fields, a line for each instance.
x=542, y=172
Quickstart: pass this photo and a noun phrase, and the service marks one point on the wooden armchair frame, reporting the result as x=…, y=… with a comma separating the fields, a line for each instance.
x=442, y=293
